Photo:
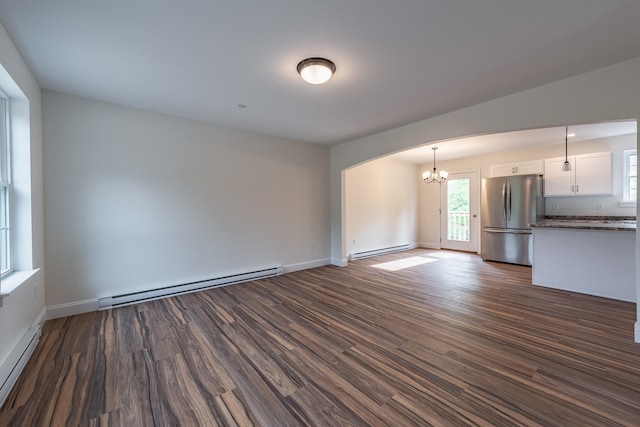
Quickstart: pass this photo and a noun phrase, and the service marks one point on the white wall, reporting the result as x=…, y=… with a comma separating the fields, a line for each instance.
x=429, y=213
x=381, y=205
x=136, y=200
x=581, y=206
x=24, y=307
x=610, y=93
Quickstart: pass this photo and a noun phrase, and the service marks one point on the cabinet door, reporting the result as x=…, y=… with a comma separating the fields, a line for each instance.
x=520, y=168
x=593, y=174
x=504, y=169
x=529, y=167
x=557, y=182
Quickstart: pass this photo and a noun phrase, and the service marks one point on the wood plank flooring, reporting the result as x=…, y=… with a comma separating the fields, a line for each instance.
x=456, y=341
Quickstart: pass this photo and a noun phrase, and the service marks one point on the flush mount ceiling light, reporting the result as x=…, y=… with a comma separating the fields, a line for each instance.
x=316, y=70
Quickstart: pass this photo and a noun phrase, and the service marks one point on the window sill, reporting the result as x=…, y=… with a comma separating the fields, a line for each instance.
x=624, y=204
x=14, y=280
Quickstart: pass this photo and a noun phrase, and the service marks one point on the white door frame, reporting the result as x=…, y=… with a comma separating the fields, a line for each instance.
x=473, y=246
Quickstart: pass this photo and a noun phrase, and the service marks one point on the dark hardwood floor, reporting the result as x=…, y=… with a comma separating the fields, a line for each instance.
x=457, y=341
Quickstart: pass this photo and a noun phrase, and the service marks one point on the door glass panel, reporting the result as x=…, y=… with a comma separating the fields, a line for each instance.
x=458, y=224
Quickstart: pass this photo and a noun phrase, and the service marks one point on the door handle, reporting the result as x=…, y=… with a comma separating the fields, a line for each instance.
x=509, y=201
x=504, y=201
x=506, y=231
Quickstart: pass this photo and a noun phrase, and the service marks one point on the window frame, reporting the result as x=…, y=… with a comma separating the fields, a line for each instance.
x=5, y=184
x=629, y=174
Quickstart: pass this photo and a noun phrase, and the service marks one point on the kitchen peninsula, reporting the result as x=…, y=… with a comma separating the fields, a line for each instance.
x=590, y=255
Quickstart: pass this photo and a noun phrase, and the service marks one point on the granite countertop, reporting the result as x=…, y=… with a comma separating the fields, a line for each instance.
x=610, y=223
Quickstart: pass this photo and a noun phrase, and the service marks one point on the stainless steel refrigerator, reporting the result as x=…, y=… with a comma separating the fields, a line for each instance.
x=509, y=205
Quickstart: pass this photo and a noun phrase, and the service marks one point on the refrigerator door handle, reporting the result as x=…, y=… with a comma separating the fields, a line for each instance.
x=506, y=231
x=504, y=201
x=509, y=202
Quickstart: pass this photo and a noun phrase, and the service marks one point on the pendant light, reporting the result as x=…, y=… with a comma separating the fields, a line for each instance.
x=566, y=166
x=434, y=177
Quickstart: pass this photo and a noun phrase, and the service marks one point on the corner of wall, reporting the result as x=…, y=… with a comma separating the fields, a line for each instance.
x=72, y=308
x=339, y=262
x=290, y=268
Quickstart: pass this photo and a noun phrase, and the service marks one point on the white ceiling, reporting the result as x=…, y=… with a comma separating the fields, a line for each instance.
x=397, y=62
x=487, y=144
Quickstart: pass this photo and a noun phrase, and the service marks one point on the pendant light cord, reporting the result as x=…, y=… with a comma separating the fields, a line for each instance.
x=566, y=144
x=566, y=166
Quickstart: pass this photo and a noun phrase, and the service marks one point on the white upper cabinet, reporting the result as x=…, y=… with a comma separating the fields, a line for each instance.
x=590, y=175
x=518, y=168
x=594, y=174
x=557, y=182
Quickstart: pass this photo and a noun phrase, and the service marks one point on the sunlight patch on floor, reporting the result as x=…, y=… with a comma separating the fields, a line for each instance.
x=442, y=255
x=400, y=264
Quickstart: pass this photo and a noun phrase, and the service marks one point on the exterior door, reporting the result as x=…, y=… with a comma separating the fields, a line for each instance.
x=459, y=215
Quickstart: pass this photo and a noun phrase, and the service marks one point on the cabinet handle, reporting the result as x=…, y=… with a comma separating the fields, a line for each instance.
x=573, y=188
x=577, y=188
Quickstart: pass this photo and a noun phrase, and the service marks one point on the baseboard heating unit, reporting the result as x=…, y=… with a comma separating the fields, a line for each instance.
x=366, y=254
x=16, y=361
x=136, y=297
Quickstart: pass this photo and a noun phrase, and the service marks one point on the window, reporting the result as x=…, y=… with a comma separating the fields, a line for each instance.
x=630, y=176
x=16, y=243
x=5, y=188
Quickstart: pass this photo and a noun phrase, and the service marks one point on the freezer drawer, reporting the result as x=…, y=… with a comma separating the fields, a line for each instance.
x=506, y=245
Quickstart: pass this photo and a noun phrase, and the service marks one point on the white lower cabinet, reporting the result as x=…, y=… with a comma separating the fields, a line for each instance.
x=592, y=262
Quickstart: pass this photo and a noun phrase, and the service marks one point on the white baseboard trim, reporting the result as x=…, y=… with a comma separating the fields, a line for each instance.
x=637, y=334
x=72, y=308
x=306, y=265
x=42, y=317
x=429, y=245
x=18, y=357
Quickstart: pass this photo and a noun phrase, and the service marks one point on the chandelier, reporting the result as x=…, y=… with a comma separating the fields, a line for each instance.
x=434, y=177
